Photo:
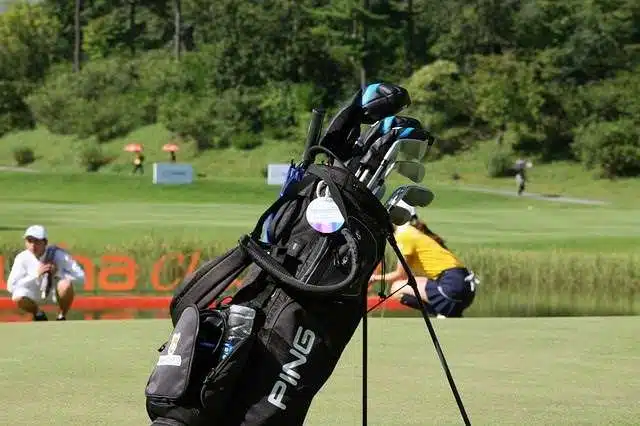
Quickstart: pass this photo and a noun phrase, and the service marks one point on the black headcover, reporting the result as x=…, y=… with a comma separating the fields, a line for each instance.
x=381, y=100
x=344, y=129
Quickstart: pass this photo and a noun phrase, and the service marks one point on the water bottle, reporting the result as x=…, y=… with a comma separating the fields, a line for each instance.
x=239, y=326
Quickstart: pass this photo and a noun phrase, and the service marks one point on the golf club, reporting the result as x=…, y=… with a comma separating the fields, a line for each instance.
x=390, y=157
x=403, y=169
x=372, y=158
x=366, y=106
x=379, y=192
x=381, y=100
x=377, y=130
x=414, y=195
x=398, y=215
x=412, y=170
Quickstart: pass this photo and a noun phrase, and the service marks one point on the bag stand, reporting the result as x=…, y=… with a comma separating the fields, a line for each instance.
x=411, y=282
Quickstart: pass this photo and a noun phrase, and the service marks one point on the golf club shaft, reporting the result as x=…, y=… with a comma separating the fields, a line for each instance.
x=377, y=173
x=379, y=191
x=389, y=157
x=313, y=133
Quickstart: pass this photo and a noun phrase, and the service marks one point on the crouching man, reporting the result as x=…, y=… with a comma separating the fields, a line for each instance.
x=25, y=281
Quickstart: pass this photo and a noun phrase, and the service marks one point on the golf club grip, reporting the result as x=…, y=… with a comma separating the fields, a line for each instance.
x=315, y=127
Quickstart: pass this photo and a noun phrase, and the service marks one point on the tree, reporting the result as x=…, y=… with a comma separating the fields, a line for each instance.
x=28, y=38
x=343, y=25
x=178, y=27
x=77, y=49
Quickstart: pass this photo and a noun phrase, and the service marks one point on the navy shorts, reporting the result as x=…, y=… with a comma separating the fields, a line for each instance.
x=450, y=294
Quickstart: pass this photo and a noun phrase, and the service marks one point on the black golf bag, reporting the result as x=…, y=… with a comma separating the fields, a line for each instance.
x=309, y=291
x=260, y=356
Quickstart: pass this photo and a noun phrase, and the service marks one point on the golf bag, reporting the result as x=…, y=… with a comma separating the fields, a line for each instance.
x=308, y=290
x=260, y=356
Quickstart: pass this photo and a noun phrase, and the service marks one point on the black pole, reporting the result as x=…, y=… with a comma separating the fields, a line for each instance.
x=364, y=356
x=412, y=283
x=313, y=133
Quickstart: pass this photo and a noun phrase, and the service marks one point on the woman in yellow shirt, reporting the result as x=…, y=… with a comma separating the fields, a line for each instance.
x=446, y=286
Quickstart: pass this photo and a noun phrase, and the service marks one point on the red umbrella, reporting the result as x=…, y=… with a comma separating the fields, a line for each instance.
x=133, y=147
x=170, y=147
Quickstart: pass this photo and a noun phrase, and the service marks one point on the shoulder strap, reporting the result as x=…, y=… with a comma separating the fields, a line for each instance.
x=208, y=282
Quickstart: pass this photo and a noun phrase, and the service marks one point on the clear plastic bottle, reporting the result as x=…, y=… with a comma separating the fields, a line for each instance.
x=239, y=325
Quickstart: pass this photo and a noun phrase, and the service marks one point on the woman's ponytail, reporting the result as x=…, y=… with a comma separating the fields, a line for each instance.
x=422, y=227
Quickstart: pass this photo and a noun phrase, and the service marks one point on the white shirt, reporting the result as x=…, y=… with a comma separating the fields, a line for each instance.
x=24, y=272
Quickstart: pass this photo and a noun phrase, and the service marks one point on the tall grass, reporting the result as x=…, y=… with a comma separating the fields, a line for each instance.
x=522, y=283
x=513, y=283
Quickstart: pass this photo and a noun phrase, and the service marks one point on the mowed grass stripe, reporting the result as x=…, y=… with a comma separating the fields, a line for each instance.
x=559, y=371
x=470, y=220
x=458, y=225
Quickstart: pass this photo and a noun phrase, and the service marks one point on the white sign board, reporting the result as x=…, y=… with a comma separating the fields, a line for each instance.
x=277, y=174
x=172, y=173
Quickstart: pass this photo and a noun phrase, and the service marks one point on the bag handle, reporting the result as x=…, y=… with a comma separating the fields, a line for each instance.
x=275, y=269
x=295, y=187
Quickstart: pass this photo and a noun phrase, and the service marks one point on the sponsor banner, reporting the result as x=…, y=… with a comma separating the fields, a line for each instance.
x=277, y=174
x=172, y=173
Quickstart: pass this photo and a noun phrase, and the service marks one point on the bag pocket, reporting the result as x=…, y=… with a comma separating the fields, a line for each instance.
x=190, y=353
x=219, y=385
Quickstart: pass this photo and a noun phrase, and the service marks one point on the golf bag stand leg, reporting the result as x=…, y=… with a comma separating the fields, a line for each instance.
x=413, y=284
x=364, y=358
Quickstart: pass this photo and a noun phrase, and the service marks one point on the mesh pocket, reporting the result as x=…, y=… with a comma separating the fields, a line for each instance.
x=220, y=384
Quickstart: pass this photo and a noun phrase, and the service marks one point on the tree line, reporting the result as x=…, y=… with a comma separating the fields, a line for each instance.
x=554, y=80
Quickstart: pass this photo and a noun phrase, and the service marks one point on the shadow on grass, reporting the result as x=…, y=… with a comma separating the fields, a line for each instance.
x=12, y=228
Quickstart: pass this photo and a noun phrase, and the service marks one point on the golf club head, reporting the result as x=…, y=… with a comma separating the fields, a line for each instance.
x=414, y=195
x=399, y=215
x=412, y=170
x=385, y=150
x=412, y=149
x=391, y=147
x=381, y=100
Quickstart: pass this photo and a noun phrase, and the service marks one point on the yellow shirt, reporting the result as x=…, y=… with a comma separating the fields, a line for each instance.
x=423, y=254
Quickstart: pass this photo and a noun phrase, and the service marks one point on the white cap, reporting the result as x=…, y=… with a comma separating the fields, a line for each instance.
x=407, y=207
x=36, y=231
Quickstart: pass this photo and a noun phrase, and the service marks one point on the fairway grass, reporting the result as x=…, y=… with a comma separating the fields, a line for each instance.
x=546, y=371
x=101, y=210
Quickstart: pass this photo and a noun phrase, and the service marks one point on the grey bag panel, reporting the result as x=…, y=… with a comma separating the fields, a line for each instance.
x=170, y=377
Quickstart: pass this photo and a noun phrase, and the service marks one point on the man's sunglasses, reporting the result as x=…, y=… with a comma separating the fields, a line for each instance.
x=33, y=240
